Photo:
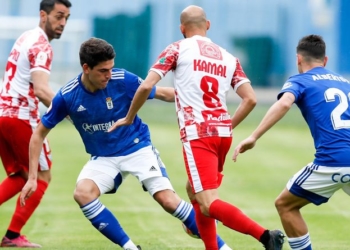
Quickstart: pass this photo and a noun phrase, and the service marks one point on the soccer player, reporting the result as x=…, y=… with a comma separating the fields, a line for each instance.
x=323, y=99
x=203, y=75
x=25, y=83
x=94, y=100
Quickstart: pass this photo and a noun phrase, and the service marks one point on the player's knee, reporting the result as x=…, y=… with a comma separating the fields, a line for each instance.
x=189, y=191
x=85, y=192
x=82, y=196
x=168, y=200
x=204, y=209
x=280, y=205
x=45, y=176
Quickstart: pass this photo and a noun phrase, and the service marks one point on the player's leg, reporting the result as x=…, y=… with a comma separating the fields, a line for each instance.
x=18, y=145
x=148, y=167
x=100, y=176
x=204, y=161
x=14, y=182
x=288, y=207
x=312, y=184
x=163, y=193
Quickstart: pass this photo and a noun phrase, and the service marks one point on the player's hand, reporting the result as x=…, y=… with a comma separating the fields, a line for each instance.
x=121, y=122
x=243, y=146
x=28, y=189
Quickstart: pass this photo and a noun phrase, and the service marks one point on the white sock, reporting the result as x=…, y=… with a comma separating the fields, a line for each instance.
x=225, y=247
x=300, y=242
x=130, y=246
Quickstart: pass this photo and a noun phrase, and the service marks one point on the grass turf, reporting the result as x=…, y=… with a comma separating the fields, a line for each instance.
x=252, y=183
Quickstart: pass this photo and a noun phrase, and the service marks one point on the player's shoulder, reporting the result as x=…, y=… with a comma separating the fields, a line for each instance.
x=35, y=36
x=70, y=87
x=293, y=81
x=120, y=75
x=175, y=46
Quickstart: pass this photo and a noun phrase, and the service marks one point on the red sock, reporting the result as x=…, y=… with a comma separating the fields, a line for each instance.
x=206, y=227
x=22, y=214
x=11, y=186
x=235, y=219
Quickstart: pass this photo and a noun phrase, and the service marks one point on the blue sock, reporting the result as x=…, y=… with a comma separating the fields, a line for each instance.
x=302, y=242
x=186, y=214
x=105, y=222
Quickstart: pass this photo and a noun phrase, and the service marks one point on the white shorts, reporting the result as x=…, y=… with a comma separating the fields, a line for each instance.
x=318, y=183
x=145, y=164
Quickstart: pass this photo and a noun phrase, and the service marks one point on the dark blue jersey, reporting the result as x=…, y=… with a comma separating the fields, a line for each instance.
x=94, y=113
x=323, y=98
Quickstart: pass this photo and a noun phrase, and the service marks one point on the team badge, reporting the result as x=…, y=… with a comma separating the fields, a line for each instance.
x=109, y=103
x=162, y=60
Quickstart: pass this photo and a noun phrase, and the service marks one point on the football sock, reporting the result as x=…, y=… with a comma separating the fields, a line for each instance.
x=22, y=214
x=11, y=186
x=11, y=235
x=106, y=223
x=186, y=214
x=265, y=237
x=130, y=246
x=302, y=242
x=225, y=247
x=235, y=219
x=207, y=228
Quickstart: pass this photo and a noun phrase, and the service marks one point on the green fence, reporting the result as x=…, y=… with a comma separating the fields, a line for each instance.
x=130, y=36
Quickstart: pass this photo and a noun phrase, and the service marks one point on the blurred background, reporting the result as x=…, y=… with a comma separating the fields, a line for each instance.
x=263, y=34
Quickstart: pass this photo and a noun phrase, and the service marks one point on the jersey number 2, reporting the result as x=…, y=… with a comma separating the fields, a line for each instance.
x=343, y=105
x=9, y=72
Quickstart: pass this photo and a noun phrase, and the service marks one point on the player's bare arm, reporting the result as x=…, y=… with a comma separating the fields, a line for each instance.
x=42, y=89
x=272, y=116
x=166, y=94
x=247, y=94
x=140, y=98
x=35, y=147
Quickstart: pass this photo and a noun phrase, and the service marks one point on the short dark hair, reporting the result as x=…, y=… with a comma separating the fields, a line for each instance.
x=312, y=47
x=94, y=51
x=48, y=5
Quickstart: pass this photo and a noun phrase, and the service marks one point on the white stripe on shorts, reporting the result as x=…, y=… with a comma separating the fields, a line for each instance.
x=197, y=184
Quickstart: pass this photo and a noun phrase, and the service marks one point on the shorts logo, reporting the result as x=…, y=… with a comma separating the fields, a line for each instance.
x=341, y=178
x=153, y=169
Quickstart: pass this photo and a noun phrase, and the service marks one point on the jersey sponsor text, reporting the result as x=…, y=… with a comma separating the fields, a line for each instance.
x=91, y=128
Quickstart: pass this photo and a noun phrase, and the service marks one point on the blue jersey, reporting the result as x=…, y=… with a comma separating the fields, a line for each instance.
x=323, y=98
x=94, y=113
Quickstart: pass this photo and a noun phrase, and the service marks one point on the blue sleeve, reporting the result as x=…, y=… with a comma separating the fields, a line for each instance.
x=56, y=112
x=132, y=82
x=293, y=87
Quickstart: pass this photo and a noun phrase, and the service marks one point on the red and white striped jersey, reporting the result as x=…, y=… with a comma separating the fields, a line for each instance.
x=31, y=52
x=203, y=74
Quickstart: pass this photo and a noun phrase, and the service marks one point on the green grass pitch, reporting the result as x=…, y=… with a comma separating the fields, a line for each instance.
x=252, y=184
